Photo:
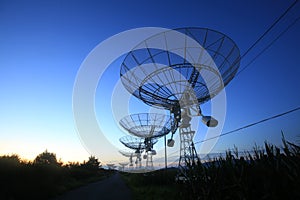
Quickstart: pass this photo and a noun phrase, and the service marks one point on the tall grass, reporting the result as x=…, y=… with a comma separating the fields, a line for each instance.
x=267, y=173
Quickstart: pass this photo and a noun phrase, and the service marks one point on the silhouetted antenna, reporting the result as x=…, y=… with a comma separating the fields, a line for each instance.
x=130, y=154
x=139, y=145
x=148, y=126
x=134, y=143
x=111, y=166
x=178, y=70
x=122, y=165
x=160, y=77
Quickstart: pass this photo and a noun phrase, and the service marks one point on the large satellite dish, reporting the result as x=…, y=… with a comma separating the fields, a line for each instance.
x=160, y=77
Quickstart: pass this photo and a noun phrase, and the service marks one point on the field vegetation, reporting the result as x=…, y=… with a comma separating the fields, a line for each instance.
x=268, y=172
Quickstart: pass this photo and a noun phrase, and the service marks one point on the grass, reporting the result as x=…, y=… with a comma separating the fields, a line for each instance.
x=153, y=185
x=269, y=172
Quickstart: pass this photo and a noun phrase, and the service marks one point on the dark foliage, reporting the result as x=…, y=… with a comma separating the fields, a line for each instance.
x=46, y=158
x=154, y=185
x=266, y=173
x=45, y=177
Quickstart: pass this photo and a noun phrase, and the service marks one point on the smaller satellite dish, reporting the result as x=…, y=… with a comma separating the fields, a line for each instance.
x=145, y=156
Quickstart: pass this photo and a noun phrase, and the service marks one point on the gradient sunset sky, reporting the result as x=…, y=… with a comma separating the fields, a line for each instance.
x=43, y=43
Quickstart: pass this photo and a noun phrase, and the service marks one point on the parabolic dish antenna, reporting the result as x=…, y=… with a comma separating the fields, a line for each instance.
x=135, y=143
x=129, y=154
x=139, y=145
x=111, y=166
x=160, y=77
x=148, y=125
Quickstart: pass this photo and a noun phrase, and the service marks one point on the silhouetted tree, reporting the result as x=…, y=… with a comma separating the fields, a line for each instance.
x=46, y=158
x=92, y=163
x=72, y=165
x=10, y=160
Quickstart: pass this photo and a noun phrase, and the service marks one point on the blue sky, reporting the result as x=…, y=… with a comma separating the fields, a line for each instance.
x=43, y=44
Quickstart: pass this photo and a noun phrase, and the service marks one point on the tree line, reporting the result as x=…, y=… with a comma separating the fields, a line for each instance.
x=45, y=176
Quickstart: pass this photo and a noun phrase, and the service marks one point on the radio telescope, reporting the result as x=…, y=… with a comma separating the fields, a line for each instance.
x=129, y=154
x=148, y=126
x=139, y=145
x=179, y=70
x=111, y=166
x=122, y=165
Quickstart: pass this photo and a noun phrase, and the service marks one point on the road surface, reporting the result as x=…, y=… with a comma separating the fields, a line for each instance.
x=110, y=188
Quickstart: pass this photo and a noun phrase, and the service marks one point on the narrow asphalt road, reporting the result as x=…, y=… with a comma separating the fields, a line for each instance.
x=111, y=188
